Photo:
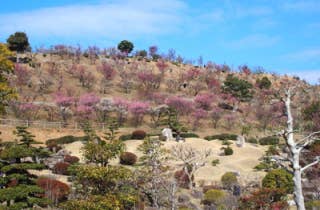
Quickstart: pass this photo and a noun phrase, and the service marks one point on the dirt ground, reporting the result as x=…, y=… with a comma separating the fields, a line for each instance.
x=243, y=159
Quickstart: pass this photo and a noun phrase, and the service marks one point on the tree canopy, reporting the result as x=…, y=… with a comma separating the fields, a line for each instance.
x=238, y=88
x=18, y=42
x=125, y=46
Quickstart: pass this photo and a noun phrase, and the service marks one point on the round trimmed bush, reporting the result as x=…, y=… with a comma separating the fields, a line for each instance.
x=55, y=190
x=71, y=159
x=128, y=158
x=138, y=134
x=229, y=179
x=213, y=196
x=227, y=151
x=61, y=168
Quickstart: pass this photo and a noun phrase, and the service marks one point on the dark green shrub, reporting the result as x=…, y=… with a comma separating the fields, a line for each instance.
x=278, y=179
x=269, y=140
x=128, y=158
x=263, y=83
x=224, y=136
x=228, y=151
x=125, y=137
x=138, y=134
x=252, y=140
x=215, y=162
x=189, y=135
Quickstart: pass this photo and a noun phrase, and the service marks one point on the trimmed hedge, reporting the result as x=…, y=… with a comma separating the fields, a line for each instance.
x=189, y=135
x=125, y=137
x=223, y=136
x=252, y=140
x=66, y=140
x=269, y=140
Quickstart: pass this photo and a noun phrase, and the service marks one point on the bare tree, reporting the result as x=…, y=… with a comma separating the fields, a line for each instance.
x=295, y=148
x=191, y=158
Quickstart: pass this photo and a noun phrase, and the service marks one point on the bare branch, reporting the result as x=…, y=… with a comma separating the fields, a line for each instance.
x=316, y=161
x=308, y=140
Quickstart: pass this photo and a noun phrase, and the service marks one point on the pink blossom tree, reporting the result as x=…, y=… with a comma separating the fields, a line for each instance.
x=25, y=110
x=204, y=101
x=121, y=108
x=108, y=75
x=93, y=52
x=64, y=102
x=213, y=83
x=23, y=75
x=192, y=73
x=162, y=66
x=149, y=80
x=216, y=115
x=153, y=50
x=138, y=110
x=198, y=115
x=181, y=105
x=87, y=105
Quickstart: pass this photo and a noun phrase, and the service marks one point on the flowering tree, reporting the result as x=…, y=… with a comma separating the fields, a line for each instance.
x=153, y=50
x=138, y=109
x=149, y=80
x=25, y=110
x=162, y=66
x=181, y=105
x=87, y=104
x=23, y=74
x=216, y=115
x=213, y=83
x=204, y=101
x=92, y=52
x=193, y=73
x=121, y=107
x=198, y=115
x=108, y=74
x=104, y=107
x=64, y=102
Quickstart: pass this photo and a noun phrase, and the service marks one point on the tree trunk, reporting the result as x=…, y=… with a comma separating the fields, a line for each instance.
x=298, y=195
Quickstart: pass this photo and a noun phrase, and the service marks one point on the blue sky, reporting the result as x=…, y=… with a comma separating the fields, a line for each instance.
x=280, y=35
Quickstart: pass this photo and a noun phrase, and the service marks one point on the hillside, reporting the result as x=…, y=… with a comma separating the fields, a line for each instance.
x=59, y=86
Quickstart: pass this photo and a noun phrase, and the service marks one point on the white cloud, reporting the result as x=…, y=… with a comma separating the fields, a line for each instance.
x=311, y=76
x=303, y=55
x=115, y=19
x=254, y=41
x=302, y=6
